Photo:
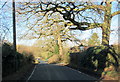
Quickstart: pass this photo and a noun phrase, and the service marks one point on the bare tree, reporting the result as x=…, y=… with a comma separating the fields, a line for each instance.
x=4, y=20
x=72, y=11
x=53, y=27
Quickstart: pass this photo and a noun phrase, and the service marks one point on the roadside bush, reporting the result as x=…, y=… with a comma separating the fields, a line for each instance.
x=13, y=60
x=96, y=59
x=54, y=59
x=66, y=58
x=100, y=57
x=50, y=54
x=56, y=49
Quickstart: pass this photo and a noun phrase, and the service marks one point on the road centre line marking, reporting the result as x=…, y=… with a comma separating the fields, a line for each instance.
x=31, y=73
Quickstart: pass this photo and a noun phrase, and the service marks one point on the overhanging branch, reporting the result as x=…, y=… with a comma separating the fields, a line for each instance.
x=115, y=13
x=86, y=26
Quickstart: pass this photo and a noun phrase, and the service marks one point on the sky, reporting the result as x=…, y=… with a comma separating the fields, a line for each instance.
x=81, y=35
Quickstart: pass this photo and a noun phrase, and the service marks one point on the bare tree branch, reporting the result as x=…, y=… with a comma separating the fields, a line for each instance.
x=115, y=13
x=4, y=4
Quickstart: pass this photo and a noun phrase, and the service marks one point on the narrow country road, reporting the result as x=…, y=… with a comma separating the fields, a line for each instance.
x=45, y=71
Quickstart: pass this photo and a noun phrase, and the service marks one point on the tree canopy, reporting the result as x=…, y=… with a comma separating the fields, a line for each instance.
x=94, y=40
x=82, y=15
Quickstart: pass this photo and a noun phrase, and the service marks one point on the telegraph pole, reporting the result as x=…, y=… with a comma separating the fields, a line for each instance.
x=14, y=35
x=14, y=25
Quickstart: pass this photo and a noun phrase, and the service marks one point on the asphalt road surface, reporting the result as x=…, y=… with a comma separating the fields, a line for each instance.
x=44, y=71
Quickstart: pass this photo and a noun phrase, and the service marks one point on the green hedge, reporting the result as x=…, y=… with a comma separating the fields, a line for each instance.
x=96, y=58
x=12, y=61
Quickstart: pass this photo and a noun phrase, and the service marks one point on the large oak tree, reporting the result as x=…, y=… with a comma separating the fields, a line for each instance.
x=74, y=13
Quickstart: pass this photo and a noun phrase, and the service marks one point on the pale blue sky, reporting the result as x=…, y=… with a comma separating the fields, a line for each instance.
x=84, y=34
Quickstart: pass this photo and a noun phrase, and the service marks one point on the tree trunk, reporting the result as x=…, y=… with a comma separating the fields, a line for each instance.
x=60, y=46
x=105, y=36
x=106, y=25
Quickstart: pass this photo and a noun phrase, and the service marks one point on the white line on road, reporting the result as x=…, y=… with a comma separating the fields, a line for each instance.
x=31, y=73
x=80, y=72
